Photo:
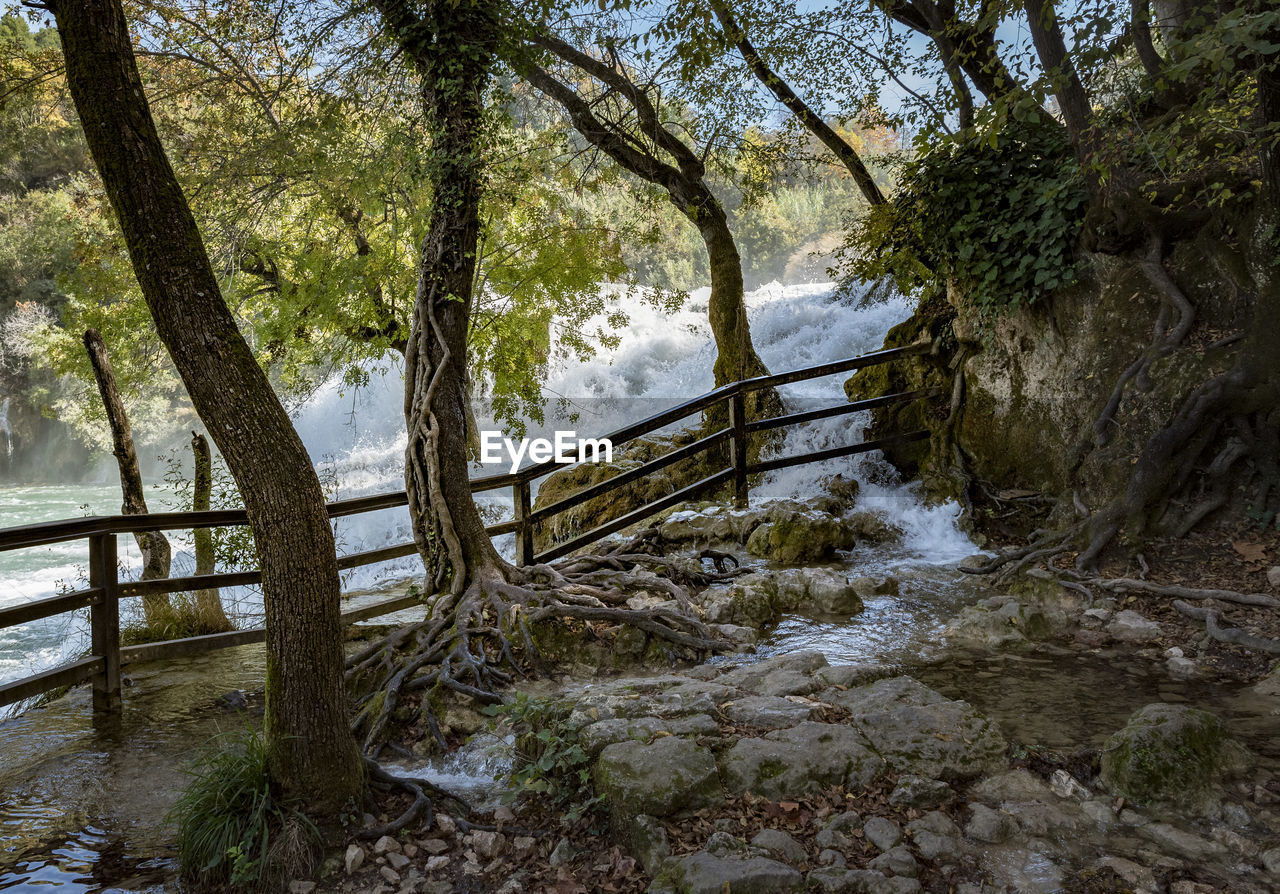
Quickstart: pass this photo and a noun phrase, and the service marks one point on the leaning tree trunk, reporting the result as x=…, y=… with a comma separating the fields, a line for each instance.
x=310, y=750
x=213, y=618
x=156, y=552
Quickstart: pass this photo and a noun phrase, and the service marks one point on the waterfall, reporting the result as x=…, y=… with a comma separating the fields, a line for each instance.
x=660, y=360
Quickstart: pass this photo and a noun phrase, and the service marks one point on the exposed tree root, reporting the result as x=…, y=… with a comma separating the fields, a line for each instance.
x=481, y=640
x=1233, y=635
x=1129, y=584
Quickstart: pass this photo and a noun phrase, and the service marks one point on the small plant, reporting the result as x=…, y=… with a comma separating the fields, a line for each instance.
x=234, y=830
x=549, y=760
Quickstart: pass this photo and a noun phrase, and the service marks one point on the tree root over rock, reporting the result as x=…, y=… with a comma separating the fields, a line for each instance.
x=482, y=639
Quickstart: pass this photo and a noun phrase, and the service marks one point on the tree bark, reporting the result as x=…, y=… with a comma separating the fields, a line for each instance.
x=1073, y=99
x=310, y=750
x=685, y=184
x=208, y=602
x=453, y=47
x=808, y=117
x=157, y=554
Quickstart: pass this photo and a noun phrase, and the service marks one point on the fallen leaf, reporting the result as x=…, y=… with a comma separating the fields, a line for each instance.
x=1252, y=552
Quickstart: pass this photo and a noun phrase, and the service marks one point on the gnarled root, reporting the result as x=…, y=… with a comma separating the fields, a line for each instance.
x=1233, y=635
x=481, y=640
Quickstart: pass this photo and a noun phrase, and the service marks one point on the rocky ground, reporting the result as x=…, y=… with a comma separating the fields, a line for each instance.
x=790, y=774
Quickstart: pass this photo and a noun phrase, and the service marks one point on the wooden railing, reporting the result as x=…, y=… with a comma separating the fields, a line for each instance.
x=102, y=596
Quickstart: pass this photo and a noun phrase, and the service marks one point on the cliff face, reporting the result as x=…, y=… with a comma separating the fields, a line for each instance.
x=1036, y=380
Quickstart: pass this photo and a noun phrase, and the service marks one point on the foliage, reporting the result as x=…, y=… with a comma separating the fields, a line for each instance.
x=549, y=760
x=1000, y=217
x=234, y=830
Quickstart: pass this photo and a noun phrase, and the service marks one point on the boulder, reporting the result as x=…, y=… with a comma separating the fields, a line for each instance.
x=795, y=536
x=704, y=873
x=1170, y=754
x=919, y=731
x=881, y=832
x=789, y=674
x=804, y=759
x=871, y=527
x=658, y=778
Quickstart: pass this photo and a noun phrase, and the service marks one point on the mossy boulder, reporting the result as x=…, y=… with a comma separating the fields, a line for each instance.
x=1170, y=754
x=566, y=482
x=657, y=778
x=799, y=537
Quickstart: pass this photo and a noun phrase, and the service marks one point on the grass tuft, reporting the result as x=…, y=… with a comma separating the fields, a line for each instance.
x=234, y=830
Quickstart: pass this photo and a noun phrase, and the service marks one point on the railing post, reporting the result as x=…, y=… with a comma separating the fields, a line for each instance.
x=104, y=622
x=520, y=493
x=738, y=434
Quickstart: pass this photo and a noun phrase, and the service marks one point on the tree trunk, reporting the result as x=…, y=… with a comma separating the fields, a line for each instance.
x=685, y=185
x=310, y=749
x=156, y=552
x=1072, y=98
x=452, y=45
x=208, y=602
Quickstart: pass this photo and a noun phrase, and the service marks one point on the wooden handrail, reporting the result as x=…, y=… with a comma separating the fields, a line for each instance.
x=105, y=590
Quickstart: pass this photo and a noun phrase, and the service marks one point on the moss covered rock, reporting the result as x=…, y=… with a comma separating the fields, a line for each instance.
x=657, y=778
x=1170, y=754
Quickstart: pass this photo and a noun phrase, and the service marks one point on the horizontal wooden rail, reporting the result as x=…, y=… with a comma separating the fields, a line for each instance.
x=637, y=515
x=818, y=456
x=841, y=409
x=47, y=608
x=630, y=475
x=66, y=675
x=197, y=645
x=105, y=590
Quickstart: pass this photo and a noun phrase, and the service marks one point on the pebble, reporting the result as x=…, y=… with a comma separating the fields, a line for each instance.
x=433, y=845
x=1065, y=785
x=390, y=875
x=386, y=845
x=562, y=854
x=435, y=863
x=1271, y=860
x=354, y=858
x=396, y=861
x=881, y=832
x=1273, y=577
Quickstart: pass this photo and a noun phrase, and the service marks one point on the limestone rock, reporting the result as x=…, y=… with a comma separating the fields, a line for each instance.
x=1170, y=754
x=917, y=791
x=704, y=873
x=1131, y=627
x=657, y=778
x=883, y=833
x=987, y=825
x=799, y=536
x=766, y=711
x=646, y=840
x=781, y=845
x=920, y=731
x=354, y=858
x=801, y=760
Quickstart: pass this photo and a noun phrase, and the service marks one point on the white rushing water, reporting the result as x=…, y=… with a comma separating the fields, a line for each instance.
x=661, y=360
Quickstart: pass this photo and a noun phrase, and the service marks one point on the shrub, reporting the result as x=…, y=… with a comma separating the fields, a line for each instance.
x=999, y=215
x=549, y=761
